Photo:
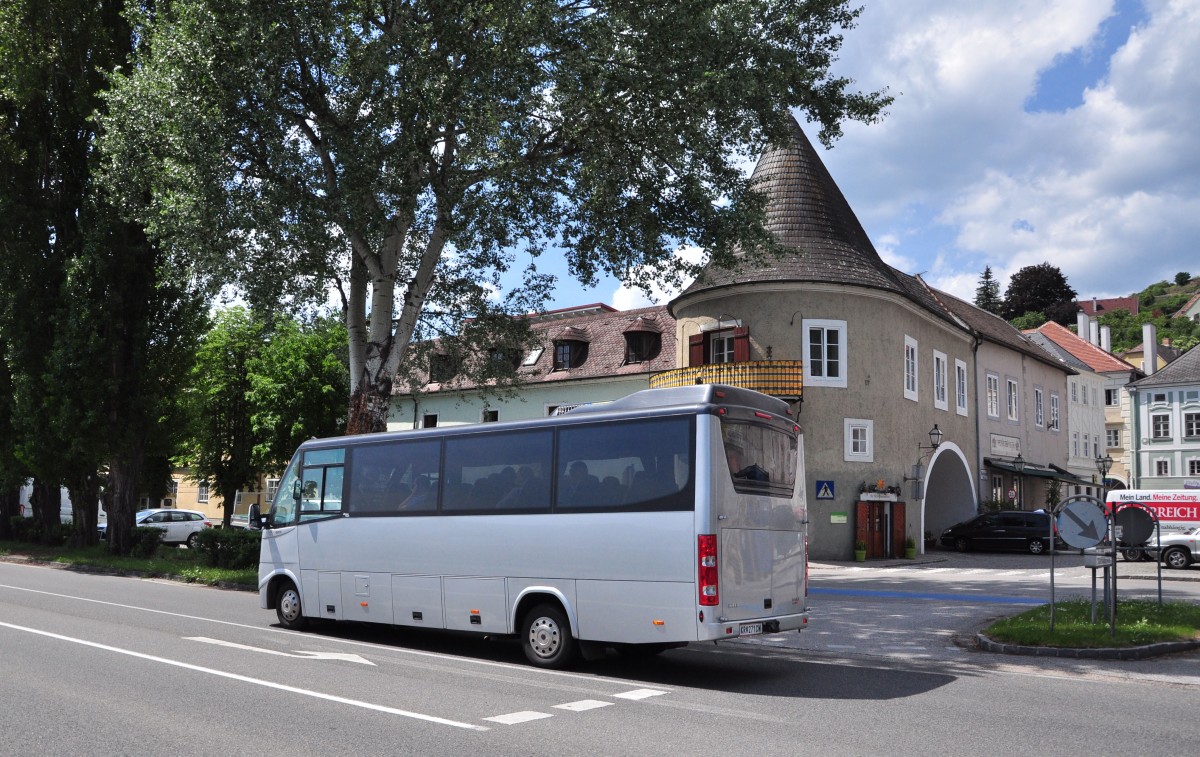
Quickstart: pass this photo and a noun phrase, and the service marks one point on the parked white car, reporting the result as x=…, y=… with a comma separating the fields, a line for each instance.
x=179, y=526
x=1178, y=550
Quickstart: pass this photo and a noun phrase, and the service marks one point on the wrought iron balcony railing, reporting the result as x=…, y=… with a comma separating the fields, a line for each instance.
x=780, y=378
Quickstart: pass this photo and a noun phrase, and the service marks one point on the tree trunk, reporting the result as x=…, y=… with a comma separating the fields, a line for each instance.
x=85, y=505
x=123, y=478
x=47, y=502
x=369, y=405
x=10, y=507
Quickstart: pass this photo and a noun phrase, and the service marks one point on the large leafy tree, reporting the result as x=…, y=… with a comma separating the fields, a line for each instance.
x=259, y=387
x=410, y=150
x=1041, y=289
x=98, y=319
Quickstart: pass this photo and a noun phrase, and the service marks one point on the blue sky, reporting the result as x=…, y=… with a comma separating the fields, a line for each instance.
x=1023, y=132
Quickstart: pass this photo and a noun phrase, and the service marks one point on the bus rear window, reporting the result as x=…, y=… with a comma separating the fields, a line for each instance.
x=762, y=459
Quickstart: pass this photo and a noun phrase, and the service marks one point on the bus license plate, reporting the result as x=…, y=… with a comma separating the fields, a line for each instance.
x=750, y=629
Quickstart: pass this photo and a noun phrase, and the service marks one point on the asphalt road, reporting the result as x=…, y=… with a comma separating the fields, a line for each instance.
x=93, y=664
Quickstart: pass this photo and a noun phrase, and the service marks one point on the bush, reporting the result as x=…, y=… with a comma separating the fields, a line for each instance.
x=146, y=541
x=230, y=548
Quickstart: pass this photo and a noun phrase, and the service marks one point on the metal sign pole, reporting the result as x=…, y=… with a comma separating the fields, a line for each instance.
x=1112, y=544
x=1053, y=519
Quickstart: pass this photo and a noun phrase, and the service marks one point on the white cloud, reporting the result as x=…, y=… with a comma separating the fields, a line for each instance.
x=960, y=176
x=628, y=298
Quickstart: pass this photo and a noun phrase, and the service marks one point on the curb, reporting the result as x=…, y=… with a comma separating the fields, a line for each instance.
x=121, y=572
x=1102, y=653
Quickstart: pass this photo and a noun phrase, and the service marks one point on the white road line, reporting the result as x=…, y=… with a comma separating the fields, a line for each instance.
x=343, y=656
x=582, y=705
x=247, y=679
x=513, y=718
x=640, y=694
x=590, y=679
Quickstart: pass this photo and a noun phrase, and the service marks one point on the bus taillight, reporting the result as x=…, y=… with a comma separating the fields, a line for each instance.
x=707, y=571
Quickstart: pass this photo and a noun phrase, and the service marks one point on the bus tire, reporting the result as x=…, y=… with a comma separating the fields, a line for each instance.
x=546, y=638
x=288, y=608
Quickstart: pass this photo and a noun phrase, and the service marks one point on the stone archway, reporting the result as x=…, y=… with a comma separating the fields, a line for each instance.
x=950, y=495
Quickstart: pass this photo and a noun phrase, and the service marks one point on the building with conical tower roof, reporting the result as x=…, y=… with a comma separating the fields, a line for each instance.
x=917, y=407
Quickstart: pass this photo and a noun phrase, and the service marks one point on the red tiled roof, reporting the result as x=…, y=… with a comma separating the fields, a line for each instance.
x=1094, y=357
x=1099, y=307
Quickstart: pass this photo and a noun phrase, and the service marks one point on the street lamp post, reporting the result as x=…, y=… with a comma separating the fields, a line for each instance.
x=1019, y=466
x=1104, y=465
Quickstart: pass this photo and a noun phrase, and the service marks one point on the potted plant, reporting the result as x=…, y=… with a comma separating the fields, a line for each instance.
x=910, y=548
x=860, y=551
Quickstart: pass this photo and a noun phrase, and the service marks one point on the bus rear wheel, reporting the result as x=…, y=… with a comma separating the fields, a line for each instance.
x=287, y=607
x=546, y=638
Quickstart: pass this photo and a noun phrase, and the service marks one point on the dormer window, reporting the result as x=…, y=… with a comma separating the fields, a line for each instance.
x=442, y=368
x=642, y=346
x=643, y=341
x=505, y=356
x=569, y=353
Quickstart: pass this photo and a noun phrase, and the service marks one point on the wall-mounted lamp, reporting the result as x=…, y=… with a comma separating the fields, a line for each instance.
x=722, y=318
x=935, y=438
x=1019, y=465
x=792, y=320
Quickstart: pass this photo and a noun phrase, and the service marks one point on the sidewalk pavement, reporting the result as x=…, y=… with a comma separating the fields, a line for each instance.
x=941, y=558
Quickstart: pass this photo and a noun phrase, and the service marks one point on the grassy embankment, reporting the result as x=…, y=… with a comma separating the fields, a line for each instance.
x=168, y=562
x=1139, y=622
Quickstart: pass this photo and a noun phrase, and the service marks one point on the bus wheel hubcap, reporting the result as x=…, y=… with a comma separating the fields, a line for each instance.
x=543, y=637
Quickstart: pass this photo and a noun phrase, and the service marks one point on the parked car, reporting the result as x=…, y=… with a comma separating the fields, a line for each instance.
x=179, y=526
x=1178, y=550
x=1006, y=529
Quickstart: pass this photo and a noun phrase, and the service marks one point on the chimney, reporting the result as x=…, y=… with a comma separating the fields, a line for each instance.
x=1095, y=307
x=1094, y=334
x=1149, y=348
x=1106, y=338
x=1081, y=324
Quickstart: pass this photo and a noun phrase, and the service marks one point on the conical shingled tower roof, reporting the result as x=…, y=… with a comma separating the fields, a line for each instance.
x=808, y=214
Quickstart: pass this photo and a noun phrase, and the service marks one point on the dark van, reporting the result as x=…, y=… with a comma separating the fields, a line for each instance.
x=1006, y=529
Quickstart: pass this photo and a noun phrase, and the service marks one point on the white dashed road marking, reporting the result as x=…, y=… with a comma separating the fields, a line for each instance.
x=513, y=718
x=582, y=705
x=640, y=694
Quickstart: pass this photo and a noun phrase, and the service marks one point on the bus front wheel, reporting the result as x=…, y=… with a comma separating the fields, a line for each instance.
x=287, y=607
x=546, y=638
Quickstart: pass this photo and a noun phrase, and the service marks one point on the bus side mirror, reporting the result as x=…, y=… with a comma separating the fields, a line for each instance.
x=254, y=518
x=297, y=490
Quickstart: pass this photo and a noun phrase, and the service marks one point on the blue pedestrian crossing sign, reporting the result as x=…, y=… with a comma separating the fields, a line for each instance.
x=824, y=490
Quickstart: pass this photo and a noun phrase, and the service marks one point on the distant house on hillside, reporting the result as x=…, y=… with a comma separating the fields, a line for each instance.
x=1165, y=354
x=1190, y=309
x=1096, y=307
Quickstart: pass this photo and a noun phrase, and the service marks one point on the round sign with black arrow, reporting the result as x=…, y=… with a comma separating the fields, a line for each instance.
x=1082, y=524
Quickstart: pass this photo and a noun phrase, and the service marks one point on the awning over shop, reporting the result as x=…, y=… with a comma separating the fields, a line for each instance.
x=1036, y=471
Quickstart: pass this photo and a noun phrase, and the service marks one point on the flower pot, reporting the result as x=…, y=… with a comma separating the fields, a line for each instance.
x=860, y=555
x=910, y=553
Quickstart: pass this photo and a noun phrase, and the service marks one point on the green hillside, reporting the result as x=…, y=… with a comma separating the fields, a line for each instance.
x=1157, y=304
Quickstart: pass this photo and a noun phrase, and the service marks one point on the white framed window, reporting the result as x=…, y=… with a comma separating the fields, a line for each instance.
x=1162, y=467
x=1191, y=425
x=824, y=353
x=272, y=489
x=941, y=398
x=1087, y=445
x=1074, y=392
x=202, y=492
x=910, y=369
x=1075, y=443
x=1083, y=392
x=993, y=395
x=429, y=420
x=1039, y=410
x=489, y=416
x=960, y=387
x=1112, y=437
x=1112, y=397
x=1054, y=411
x=1013, y=400
x=174, y=489
x=1194, y=466
x=859, y=440
x=1160, y=426
x=720, y=346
